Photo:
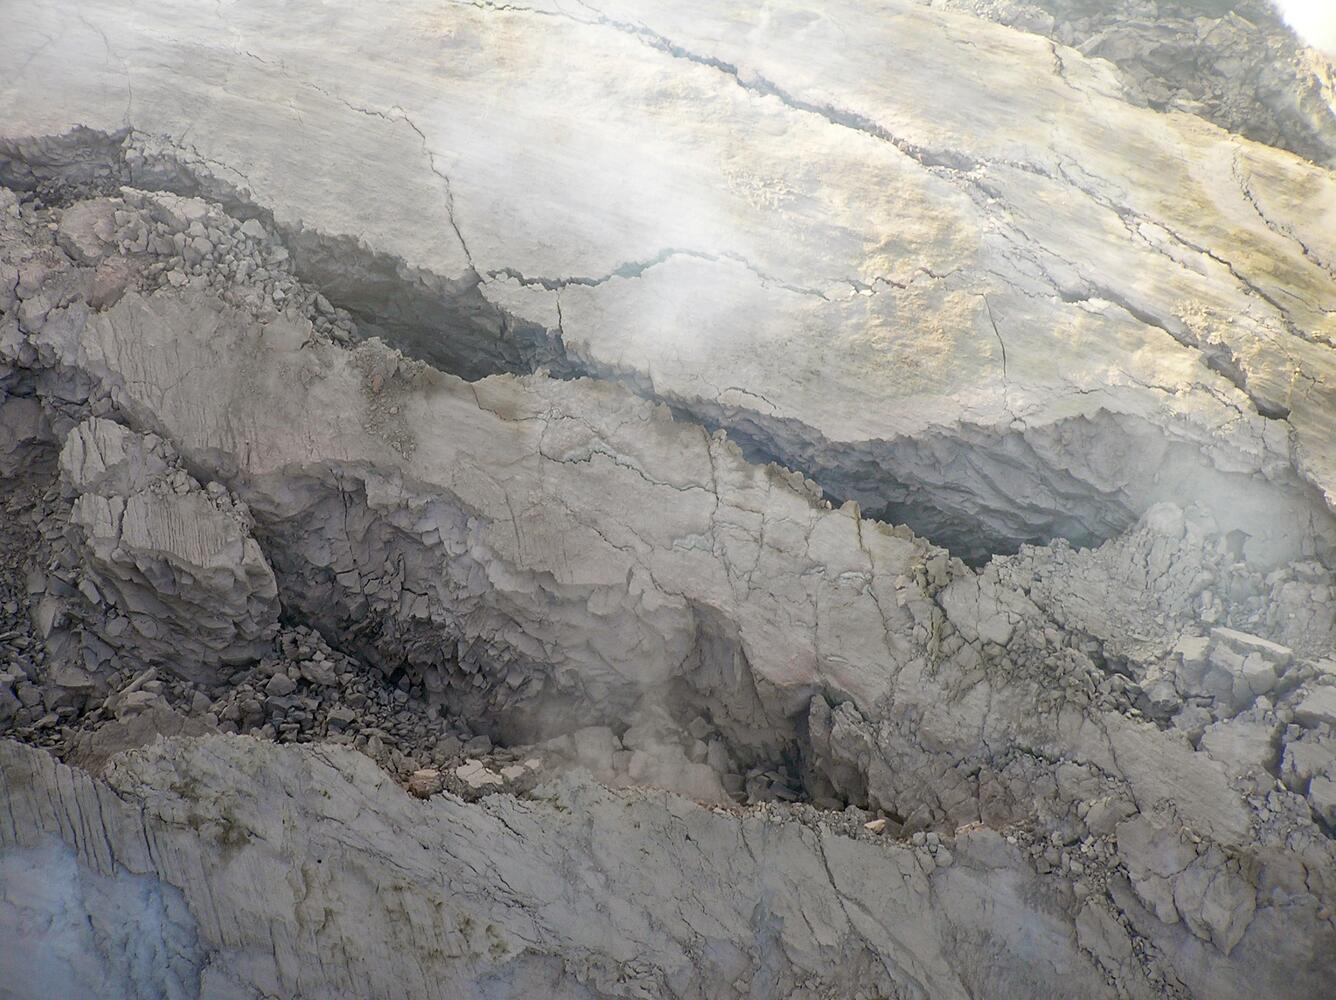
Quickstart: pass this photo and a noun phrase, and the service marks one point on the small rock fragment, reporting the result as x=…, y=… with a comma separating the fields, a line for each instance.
x=425, y=782
x=474, y=774
x=1317, y=707
x=280, y=685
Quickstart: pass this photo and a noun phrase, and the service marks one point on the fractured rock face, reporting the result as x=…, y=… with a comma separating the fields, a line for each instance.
x=1030, y=327
x=73, y=932
x=372, y=885
x=177, y=558
x=1234, y=63
x=88, y=231
x=1013, y=677
x=543, y=599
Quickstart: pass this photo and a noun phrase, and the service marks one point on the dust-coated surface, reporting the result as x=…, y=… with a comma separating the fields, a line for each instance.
x=666, y=500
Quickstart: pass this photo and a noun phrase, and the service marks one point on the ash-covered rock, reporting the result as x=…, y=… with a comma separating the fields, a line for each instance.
x=1233, y=62
x=1080, y=711
x=178, y=556
x=636, y=716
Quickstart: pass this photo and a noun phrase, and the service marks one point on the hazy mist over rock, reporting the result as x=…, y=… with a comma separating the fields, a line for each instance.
x=694, y=500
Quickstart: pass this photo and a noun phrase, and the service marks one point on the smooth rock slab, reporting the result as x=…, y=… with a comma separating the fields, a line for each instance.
x=1318, y=707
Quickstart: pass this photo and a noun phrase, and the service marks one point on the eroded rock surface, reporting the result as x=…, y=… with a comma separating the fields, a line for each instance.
x=444, y=899
x=1011, y=266
x=1233, y=62
x=178, y=556
x=411, y=609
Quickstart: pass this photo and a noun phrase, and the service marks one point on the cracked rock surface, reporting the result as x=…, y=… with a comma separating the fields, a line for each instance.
x=1231, y=62
x=629, y=500
x=997, y=247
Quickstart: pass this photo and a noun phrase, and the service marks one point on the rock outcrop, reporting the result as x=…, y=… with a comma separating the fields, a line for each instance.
x=1233, y=62
x=573, y=892
x=1159, y=290
x=784, y=531
x=178, y=557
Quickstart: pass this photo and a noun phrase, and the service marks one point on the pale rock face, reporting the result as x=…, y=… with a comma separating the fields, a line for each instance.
x=1247, y=749
x=484, y=393
x=179, y=557
x=1224, y=61
x=1318, y=707
x=1322, y=797
x=361, y=863
x=71, y=931
x=88, y=232
x=1171, y=284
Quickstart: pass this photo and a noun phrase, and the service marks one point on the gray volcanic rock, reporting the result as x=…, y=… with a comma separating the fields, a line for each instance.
x=177, y=556
x=514, y=565
x=1001, y=253
x=1233, y=62
x=254, y=858
x=518, y=447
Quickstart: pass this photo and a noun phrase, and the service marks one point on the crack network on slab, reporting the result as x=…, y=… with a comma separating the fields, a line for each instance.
x=400, y=115
x=637, y=268
x=1245, y=186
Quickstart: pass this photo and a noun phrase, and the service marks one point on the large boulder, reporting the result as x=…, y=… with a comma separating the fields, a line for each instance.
x=177, y=558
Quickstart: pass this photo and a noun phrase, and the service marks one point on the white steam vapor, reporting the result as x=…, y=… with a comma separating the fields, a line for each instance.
x=1313, y=20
